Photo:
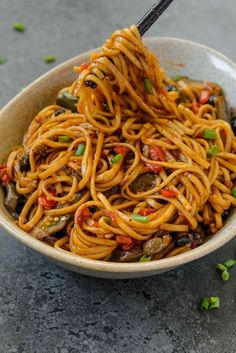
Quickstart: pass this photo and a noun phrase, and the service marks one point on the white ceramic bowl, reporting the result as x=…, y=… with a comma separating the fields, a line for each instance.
x=177, y=56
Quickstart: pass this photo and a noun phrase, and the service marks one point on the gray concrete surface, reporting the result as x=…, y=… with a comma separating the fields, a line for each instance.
x=44, y=308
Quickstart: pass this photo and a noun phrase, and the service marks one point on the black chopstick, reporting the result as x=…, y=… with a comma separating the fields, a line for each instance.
x=152, y=15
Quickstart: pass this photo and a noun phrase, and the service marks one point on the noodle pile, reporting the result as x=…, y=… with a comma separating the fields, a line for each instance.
x=128, y=171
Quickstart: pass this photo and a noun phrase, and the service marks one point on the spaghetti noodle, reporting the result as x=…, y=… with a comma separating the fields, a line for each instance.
x=128, y=164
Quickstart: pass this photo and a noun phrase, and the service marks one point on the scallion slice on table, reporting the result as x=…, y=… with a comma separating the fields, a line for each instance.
x=209, y=303
x=50, y=58
x=225, y=275
x=18, y=26
x=2, y=60
x=230, y=263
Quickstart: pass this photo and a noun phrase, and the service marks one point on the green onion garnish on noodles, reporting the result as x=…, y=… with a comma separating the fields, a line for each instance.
x=209, y=134
x=148, y=85
x=80, y=150
x=138, y=218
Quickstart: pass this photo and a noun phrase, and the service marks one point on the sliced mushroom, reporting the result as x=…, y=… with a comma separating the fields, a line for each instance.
x=222, y=110
x=121, y=255
x=155, y=245
x=50, y=225
x=143, y=182
x=11, y=197
x=112, y=191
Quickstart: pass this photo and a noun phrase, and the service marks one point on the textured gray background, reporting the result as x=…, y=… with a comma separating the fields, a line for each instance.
x=46, y=309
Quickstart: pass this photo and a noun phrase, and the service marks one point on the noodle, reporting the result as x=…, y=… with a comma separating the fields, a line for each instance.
x=130, y=164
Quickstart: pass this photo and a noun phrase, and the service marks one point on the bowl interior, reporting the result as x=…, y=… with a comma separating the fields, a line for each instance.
x=177, y=57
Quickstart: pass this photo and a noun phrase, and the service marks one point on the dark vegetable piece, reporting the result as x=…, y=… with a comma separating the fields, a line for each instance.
x=114, y=190
x=171, y=88
x=233, y=124
x=90, y=84
x=222, y=111
x=59, y=111
x=25, y=163
x=156, y=245
x=49, y=225
x=212, y=100
x=11, y=197
x=106, y=106
x=67, y=101
x=20, y=204
x=92, y=209
x=226, y=214
x=127, y=255
x=143, y=182
x=183, y=241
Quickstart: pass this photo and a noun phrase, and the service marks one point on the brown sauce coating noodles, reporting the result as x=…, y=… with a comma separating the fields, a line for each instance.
x=131, y=168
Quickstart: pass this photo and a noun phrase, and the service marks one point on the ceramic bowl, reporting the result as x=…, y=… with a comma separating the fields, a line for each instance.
x=177, y=56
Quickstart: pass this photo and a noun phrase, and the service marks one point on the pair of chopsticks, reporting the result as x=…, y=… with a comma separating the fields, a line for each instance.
x=152, y=15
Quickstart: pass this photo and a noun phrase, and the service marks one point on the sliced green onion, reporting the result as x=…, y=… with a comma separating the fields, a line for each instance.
x=116, y=158
x=18, y=26
x=225, y=275
x=138, y=218
x=49, y=58
x=229, y=263
x=233, y=191
x=209, y=134
x=2, y=60
x=80, y=150
x=221, y=267
x=108, y=220
x=64, y=138
x=204, y=304
x=213, y=150
x=148, y=85
x=214, y=303
x=145, y=258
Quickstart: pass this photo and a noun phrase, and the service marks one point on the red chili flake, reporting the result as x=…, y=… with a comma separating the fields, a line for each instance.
x=85, y=213
x=193, y=245
x=121, y=149
x=84, y=66
x=157, y=153
x=125, y=241
x=95, y=224
x=204, y=97
x=154, y=168
x=195, y=106
x=146, y=211
x=4, y=177
x=45, y=202
x=169, y=193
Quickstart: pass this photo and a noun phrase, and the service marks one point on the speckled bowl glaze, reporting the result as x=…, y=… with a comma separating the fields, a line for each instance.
x=177, y=56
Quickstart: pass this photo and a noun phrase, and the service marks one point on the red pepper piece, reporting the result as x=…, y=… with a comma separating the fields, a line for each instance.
x=125, y=241
x=146, y=211
x=121, y=149
x=195, y=107
x=45, y=202
x=84, y=66
x=169, y=193
x=157, y=153
x=154, y=168
x=85, y=213
x=204, y=97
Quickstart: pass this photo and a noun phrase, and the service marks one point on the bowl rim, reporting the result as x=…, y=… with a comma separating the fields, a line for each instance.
x=105, y=266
